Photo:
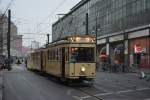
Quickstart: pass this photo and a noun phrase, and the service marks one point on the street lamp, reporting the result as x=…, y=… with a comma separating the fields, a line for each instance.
x=97, y=29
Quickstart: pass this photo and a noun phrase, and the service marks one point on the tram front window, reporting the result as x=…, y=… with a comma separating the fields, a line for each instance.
x=82, y=54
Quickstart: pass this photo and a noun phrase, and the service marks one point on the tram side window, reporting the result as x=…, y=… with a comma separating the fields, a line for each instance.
x=54, y=54
x=66, y=54
x=51, y=55
x=48, y=53
x=59, y=54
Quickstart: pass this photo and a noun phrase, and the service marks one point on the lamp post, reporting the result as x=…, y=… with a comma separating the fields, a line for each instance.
x=97, y=29
x=1, y=38
x=8, y=38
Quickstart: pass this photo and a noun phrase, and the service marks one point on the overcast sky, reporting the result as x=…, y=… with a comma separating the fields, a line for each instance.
x=36, y=16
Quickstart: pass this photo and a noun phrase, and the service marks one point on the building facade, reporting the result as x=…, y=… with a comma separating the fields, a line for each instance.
x=122, y=28
x=16, y=40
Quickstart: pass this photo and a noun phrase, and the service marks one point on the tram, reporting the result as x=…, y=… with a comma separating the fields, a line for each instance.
x=71, y=58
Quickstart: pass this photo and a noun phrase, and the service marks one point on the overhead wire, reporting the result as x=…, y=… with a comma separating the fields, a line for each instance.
x=52, y=13
x=8, y=6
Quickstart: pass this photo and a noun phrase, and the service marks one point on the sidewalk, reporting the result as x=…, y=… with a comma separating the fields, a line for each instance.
x=1, y=85
x=20, y=67
x=124, y=79
x=144, y=70
x=143, y=74
x=130, y=70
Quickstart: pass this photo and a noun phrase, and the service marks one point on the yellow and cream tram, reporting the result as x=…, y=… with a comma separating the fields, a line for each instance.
x=72, y=58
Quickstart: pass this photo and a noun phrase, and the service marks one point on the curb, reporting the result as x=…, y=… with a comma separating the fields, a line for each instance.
x=1, y=85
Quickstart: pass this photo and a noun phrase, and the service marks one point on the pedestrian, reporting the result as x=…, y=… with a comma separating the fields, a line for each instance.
x=1, y=63
x=26, y=63
x=116, y=65
x=123, y=67
x=18, y=62
x=7, y=64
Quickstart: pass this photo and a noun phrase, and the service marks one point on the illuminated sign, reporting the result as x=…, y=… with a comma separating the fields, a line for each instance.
x=137, y=49
x=82, y=39
x=103, y=55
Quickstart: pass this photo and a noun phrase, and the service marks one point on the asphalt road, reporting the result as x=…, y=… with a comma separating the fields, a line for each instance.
x=20, y=84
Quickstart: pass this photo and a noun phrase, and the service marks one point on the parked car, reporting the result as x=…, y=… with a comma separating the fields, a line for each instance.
x=4, y=63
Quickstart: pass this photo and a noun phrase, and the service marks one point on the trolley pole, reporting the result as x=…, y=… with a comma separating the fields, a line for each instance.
x=8, y=38
x=47, y=38
x=87, y=24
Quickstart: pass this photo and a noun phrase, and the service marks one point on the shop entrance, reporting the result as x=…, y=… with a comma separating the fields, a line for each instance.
x=103, y=58
x=117, y=53
x=139, y=53
x=137, y=59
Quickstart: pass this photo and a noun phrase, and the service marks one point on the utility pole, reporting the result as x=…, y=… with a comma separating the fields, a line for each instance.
x=8, y=38
x=1, y=36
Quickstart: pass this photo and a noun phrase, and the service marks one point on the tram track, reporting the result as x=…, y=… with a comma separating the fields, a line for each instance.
x=88, y=94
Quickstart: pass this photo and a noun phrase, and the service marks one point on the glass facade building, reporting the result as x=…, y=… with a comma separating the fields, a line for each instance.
x=119, y=26
x=111, y=16
x=118, y=15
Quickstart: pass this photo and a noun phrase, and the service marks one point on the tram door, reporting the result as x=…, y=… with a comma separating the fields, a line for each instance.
x=43, y=61
x=63, y=62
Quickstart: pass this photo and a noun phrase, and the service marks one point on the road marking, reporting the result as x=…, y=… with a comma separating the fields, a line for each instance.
x=105, y=90
x=119, y=92
x=85, y=97
x=103, y=94
x=125, y=91
x=69, y=91
x=77, y=98
x=141, y=89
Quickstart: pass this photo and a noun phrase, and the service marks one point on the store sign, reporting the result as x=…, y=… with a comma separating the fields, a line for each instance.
x=103, y=56
x=137, y=49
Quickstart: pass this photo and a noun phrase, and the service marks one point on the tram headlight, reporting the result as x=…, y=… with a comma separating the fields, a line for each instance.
x=83, y=69
x=88, y=39
x=78, y=39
